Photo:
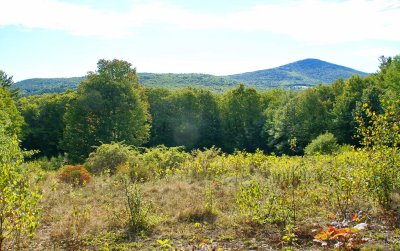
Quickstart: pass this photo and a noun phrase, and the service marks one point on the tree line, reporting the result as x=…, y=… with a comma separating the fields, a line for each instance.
x=111, y=106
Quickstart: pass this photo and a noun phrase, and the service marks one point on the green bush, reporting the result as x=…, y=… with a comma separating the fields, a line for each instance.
x=19, y=197
x=54, y=163
x=161, y=158
x=138, y=210
x=324, y=144
x=108, y=157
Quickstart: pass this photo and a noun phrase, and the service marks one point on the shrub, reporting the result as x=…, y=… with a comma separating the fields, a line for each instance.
x=324, y=144
x=54, y=163
x=19, y=198
x=155, y=162
x=108, y=157
x=137, y=169
x=77, y=175
x=380, y=134
x=166, y=157
x=138, y=209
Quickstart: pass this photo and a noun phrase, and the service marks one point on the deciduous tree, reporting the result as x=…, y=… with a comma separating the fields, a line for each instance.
x=109, y=106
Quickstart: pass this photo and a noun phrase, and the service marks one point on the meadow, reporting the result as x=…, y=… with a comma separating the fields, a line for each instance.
x=166, y=199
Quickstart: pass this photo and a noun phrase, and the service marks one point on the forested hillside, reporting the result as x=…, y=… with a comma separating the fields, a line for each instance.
x=300, y=74
x=35, y=86
x=115, y=165
x=304, y=73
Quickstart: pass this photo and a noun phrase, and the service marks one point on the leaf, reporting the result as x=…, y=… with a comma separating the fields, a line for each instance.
x=323, y=235
x=355, y=218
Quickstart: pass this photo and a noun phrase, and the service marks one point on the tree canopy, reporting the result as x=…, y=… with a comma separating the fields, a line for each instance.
x=109, y=106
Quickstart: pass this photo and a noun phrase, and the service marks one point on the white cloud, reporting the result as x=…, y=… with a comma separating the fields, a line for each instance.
x=311, y=21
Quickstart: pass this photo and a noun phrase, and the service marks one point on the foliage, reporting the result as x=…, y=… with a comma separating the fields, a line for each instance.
x=304, y=117
x=138, y=210
x=340, y=238
x=44, y=122
x=389, y=76
x=204, y=164
x=7, y=82
x=380, y=135
x=107, y=157
x=242, y=119
x=39, y=86
x=324, y=144
x=76, y=175
x=52, y=163
x=257, y=202
x=10, y=118
x=188, y=117
x=240, y=195
x=19, y=204
x=181, y=81
x=109, y=106
x=208, y=197
x=297, y=75
x=155, y=162
x=344, y=124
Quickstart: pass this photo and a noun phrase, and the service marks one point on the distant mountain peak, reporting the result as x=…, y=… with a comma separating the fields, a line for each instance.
x=300, y=74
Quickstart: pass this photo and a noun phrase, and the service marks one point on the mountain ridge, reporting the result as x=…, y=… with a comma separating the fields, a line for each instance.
x=306, y=72
x=299, y=74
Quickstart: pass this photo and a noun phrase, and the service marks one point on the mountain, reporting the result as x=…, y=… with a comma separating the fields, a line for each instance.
x=35, y=86
x=176, y=81
x=300, y=74
x=303, y=73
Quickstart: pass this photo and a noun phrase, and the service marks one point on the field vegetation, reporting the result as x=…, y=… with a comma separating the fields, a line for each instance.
x=115, y=166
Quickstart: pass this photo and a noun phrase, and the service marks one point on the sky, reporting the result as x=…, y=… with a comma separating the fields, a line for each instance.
x=66, y=38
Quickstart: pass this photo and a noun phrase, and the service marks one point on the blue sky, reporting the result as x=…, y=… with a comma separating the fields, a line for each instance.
x=65, y=38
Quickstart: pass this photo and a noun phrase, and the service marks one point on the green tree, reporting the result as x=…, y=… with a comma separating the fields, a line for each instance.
x=188, y=117
x=210, y=120
x=10, y=118
x=273, y=100
x=388, y=77
x=303, y=118
x=19, y=211
x=110, y=106
x=324, y=144
x=44, y=124
x=161, y=132
x=344, y=124
x=196, y=118
x=380, y=136
x=7, y=82
x=242, y=119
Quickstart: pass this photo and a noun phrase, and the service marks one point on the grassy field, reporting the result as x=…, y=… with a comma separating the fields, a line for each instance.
x=166, y=199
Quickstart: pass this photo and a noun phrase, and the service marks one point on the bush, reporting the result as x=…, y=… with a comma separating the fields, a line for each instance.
x=54, y=163
x=19, y=197
x=138, y=209
x=324, y=144
x=108, y=157
x=161, y=159
x=77, y=175
x=155, y=162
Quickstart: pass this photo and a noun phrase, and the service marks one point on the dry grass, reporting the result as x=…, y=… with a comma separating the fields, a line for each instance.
x=190, y=213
